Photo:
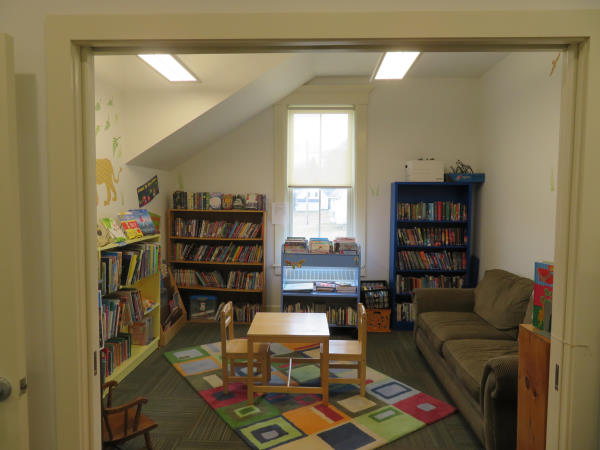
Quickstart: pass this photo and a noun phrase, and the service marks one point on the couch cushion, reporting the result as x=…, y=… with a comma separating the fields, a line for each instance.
x=467, y=358
x=442, y=326
x=501, y=298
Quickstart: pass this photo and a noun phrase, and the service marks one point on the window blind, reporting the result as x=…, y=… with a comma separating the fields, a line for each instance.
x=320, y=148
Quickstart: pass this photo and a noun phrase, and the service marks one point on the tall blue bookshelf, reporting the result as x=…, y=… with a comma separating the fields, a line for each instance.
x=431, y=237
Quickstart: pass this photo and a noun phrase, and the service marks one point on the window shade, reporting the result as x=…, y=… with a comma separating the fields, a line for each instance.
x=320, y=148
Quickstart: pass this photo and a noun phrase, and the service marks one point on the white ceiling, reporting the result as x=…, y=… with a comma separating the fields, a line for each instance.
x=234, y=87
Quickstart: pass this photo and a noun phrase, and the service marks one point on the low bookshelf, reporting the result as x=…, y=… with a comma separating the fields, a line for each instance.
x=302, y=272
x=128, y=304
x=217, y=255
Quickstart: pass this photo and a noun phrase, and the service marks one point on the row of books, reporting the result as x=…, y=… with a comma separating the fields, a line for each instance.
x=130, y=224
x=205, y=307
x=218, y=200
x=432, y=237
x=115, y=352
x=218, y=253
x=447, y=211
x=318, y=286
x=128, y=305
x=376, y=299
x=126, y=267
x=336, y=314
x=345, y=246
x=341, y=245
x=236, y=279
x=446, y=260
x=405, y=312
x=408, y=284
x=220, y=229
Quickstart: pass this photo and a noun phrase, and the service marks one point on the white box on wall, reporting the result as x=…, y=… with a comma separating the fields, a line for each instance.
x=424, y=170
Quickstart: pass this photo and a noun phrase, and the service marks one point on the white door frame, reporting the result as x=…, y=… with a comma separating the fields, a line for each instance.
x=14, y=428
x=72, y=220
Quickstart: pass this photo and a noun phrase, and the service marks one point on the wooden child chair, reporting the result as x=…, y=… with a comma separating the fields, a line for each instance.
x=234, y=353
x=124, y=422
x=352, y=353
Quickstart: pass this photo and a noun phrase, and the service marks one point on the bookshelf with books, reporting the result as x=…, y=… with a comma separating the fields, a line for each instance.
x=321, y=282
x=217, y=255
x=431, y=229
x=128, y=304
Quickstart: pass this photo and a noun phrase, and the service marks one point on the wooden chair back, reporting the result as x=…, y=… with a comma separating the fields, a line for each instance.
x=362, y=328
x=226, y=326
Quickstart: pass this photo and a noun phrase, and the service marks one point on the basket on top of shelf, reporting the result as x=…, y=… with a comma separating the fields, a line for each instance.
x=375, y=295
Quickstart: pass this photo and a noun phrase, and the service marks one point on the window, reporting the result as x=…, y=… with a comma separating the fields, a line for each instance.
x=320, y=171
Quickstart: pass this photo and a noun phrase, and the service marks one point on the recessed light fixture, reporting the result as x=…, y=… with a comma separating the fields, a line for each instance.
x=394, y=65
x=168, y=67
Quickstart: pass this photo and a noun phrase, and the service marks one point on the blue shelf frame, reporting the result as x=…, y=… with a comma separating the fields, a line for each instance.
x=322, y=262
x=414, y=192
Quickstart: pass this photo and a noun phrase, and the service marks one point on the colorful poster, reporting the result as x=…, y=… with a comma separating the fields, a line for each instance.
x=542, y=295
x=147, y=191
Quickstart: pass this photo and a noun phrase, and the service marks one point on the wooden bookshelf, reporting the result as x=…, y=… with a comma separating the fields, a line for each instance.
x=149, y=287
x=431, y=241
x=181, y=234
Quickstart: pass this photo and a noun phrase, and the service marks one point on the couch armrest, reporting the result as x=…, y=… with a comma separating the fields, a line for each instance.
x=444, y=299
x=498, y=400
x=501, y=375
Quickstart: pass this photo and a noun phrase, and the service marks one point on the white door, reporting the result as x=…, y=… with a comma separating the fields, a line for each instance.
x=14, y=429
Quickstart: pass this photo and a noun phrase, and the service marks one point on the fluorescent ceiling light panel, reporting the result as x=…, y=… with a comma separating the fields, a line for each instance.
x=395, y=65
x=168, y=67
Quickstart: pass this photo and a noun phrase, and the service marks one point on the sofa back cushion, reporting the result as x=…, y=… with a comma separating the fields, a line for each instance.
x=501, y=298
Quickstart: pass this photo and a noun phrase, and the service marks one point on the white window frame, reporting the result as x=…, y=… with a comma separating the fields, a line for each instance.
x=317, y=97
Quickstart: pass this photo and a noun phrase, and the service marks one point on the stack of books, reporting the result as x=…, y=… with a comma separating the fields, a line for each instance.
x=345, y=246
x=295, y=245
x=202, y=306
x=322, y=286
x=320, y=245
x=345, y=287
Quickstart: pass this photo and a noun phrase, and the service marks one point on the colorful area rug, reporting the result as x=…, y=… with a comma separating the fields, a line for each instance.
x=389, y=410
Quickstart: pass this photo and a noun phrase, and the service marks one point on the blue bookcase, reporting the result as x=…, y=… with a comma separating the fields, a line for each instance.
x=300, y=270
x=431, y=236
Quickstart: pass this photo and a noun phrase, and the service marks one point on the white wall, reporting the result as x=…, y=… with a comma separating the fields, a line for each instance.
x=520, y=123
x=113, y=138
x=418, y=117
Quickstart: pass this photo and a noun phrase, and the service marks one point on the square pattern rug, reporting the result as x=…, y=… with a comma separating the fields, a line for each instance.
x=391, y=409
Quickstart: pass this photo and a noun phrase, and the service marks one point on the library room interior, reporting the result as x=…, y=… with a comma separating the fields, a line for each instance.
x=276, y=193
x=335, y=236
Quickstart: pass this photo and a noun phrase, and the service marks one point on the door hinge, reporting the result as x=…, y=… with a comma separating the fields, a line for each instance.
x=556, y=369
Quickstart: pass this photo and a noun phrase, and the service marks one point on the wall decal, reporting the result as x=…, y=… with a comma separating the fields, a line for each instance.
x=110, y=102
x=374, y=191
x=147, y=191
x=116, y=146
x=107, y=125
x=105, y=175
x=97, y=129
x=99, y=104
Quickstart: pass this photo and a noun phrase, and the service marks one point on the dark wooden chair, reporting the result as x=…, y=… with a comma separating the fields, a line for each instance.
x=123, y=422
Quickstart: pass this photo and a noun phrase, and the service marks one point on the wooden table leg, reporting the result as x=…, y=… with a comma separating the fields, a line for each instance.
x=250, y=374
x=325, y=371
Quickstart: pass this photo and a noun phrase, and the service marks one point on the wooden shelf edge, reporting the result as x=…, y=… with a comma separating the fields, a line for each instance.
x=167, y=335
x=213, y=263
x=197, y=238
x=215, y=289
x=128, y=241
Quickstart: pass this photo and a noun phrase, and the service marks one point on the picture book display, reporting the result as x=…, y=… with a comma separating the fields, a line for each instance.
x=144, y=221
x=542, y=295
x=130, y=226
x=114, y=229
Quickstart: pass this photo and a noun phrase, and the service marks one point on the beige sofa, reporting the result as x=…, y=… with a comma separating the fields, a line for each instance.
x=468, y=337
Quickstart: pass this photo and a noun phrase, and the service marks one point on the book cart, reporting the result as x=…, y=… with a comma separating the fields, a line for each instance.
x=431, y=234
x=211, y=265
x=300, y=272
x=116, y=364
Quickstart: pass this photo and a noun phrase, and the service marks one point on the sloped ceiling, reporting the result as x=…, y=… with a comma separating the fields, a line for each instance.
x=171, y=122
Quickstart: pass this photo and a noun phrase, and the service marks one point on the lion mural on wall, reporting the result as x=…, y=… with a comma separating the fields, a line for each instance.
x=105, y=175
